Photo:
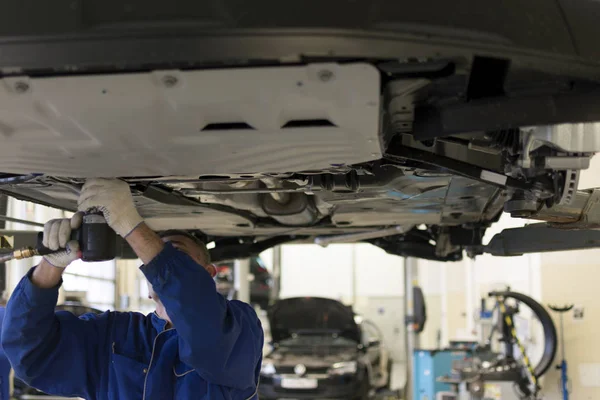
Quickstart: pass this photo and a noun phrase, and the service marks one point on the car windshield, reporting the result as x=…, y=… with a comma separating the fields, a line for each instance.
x=317, y=340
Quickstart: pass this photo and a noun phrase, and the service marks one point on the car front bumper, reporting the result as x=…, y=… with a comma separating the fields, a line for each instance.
x=328, y=387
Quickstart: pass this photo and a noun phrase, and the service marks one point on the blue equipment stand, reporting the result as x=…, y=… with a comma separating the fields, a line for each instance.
x=429, y=365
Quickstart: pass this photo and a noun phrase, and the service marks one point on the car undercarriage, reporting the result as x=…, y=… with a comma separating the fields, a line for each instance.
x=415, y=142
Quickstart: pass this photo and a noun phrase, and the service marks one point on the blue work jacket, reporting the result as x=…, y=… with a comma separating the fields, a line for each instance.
x=4, y=367
x=214, y=352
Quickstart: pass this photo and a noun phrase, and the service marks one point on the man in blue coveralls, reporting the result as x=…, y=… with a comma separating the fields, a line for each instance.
x=197, y=345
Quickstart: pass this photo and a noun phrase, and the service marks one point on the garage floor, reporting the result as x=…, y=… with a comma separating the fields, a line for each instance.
x=397, y=382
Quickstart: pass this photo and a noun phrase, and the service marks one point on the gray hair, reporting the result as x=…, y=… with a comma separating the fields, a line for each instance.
x=180, y=232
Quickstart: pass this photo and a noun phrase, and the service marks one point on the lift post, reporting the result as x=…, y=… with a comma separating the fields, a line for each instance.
x=276, y=274
x=241, y=281
x=411, y=338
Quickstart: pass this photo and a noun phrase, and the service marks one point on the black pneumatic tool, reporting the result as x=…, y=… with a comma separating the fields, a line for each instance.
x=96, y=239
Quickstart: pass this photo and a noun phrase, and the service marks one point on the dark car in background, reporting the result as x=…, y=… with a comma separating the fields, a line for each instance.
x=21, y=390
x=261, y=282
x=321, y=349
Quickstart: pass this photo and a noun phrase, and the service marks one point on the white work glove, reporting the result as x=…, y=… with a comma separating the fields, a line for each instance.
x=57, y=235
x=113, y=198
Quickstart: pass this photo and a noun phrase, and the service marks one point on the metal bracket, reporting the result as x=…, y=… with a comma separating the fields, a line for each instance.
x=575, y=143
x=582, y=213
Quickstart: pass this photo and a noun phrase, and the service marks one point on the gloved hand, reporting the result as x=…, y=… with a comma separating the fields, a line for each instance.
x=113, y=198
x=57, y=235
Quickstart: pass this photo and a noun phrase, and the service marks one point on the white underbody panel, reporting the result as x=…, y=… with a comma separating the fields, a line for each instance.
x=179, y=122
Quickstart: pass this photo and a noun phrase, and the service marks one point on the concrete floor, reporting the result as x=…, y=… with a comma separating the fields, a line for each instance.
x=398, y=378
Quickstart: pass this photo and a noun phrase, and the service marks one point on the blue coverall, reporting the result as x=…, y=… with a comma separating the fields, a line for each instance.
x=214, y=352
x=4, y=367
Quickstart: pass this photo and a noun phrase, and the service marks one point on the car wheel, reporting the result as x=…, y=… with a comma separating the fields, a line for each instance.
x=364, y=390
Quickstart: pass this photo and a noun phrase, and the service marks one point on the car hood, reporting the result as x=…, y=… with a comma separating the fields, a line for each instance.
x=315, y=357
x=312, y=315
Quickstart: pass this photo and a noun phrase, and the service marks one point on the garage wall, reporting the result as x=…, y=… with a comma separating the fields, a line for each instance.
x=311, y=270
x=456, y=326
x=388, y=314
x=453, y=316
x=570, y=277
x=128, y=287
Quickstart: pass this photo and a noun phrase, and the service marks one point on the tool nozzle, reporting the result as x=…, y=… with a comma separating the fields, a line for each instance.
x=20, y=254
x=25, y=253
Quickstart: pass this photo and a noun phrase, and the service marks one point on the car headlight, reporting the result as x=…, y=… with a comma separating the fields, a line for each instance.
x=267, y=369
x=343, y=368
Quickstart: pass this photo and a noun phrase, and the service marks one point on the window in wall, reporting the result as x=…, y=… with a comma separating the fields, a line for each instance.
x=146, y=304
x=96, y=279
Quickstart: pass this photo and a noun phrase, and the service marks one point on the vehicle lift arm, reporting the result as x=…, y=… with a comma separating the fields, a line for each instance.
x=539, y=238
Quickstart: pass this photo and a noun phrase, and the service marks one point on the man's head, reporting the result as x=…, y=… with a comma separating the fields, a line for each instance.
x=194, y=248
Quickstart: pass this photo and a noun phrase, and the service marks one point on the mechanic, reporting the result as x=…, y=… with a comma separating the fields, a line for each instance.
x=196, y=345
